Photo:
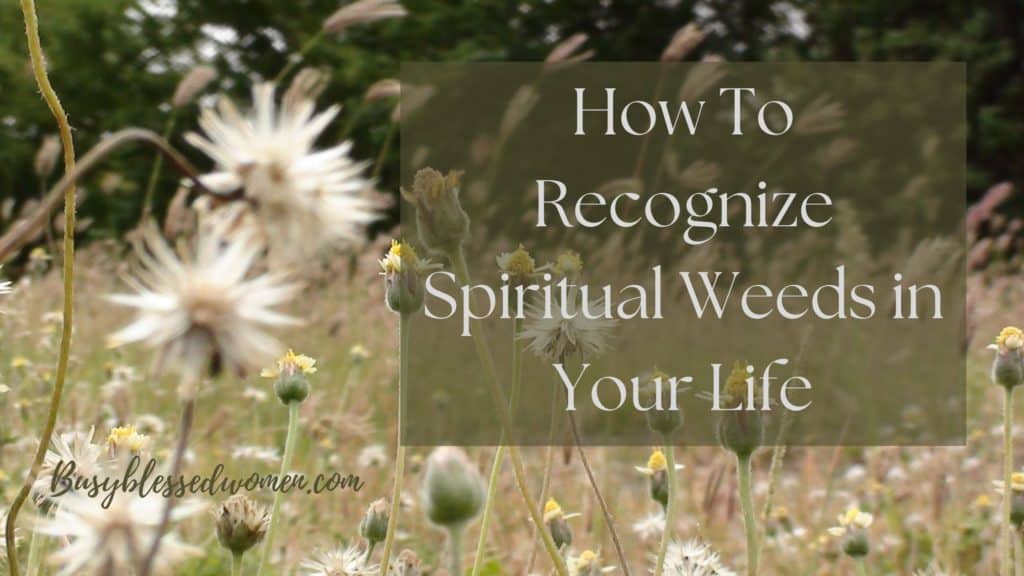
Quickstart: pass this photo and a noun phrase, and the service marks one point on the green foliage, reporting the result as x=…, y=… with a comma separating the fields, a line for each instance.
x=116, y=63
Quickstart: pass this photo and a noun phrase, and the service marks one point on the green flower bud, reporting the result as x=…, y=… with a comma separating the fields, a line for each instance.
x=1017, y=508
x=241, y=524
x=453, y=491
x=664, y=421
x=290, y=382
x=659, y=487
x=374, y=526
x=855, y=544
x=442, y=223
x=741, y=432
x=1008, y=365
x=291, y=388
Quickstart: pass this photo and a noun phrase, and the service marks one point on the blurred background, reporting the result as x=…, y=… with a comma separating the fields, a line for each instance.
x=117, y=63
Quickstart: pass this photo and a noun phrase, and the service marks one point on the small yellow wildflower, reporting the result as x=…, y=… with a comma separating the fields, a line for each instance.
x=655, y=464
x=982, y=502
x=127, y=437
x=518, y=264
x=291, y=363
x=401, y=253
x=852, y=519
x=552, y=510
x=1010, y=338
x=19, y=362
x=1016, y=483
x=568, y=263
x=736, y=383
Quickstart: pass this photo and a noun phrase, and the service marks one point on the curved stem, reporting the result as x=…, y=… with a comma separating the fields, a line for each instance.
x=499, y=454
x=286, y=462
x=236, y=565
x=396, y=492
x=609, y=520
x=549, y=457
x=1007, y=552
x=747, y=503
x=158, y=164
x=670, y=508
x=25, y=229
x=188, y=412
x=518, y=468
x=35, y=49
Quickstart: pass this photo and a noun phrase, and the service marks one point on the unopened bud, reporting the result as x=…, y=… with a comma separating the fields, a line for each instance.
x=374, y=526
x=1008, y=366
x=443, y=224
x=241, y=523
x=453, y=490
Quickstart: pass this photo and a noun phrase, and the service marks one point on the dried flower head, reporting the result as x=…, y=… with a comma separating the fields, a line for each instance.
x=349, y=561
x=204, y=310
x=564, y=330
x=90, y=459
x=442, y=223
x=693, y=558
x=588, y=563
x=241, y=523
x=111, y=540
x=518, y=264
x=374, y=525
x=568, y=263
x=302, y=199
x=362, y=12
x=406, y=564
x=193, y=84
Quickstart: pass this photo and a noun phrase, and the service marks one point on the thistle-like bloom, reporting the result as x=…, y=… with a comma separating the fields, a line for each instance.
x=657, y=473
x=114, y=540
x=291, y=363
x=344, y=562
x=693, y=558
x=241, y=523
x=566, y=330
x=404, y=273
x=519, y=266
x=1008, y=366
x=90, y=459
x=303, y=199
x=204, y=310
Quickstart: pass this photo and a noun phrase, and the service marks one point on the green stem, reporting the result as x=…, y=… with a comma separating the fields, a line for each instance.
x=35, y=49
x=1007, y=555
x=455, y=551
x=499, y=454
x=286, y=462
x=384, y=148
x=461, y=270
x=297, y=58
x=34, y=554
x=670, y=508
x=236, y=565
x=747, y=503
x=158, y=164
x=396, y=491
x=862, y=567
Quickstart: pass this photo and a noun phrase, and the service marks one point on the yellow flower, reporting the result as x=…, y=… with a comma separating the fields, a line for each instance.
x=399, y=254
x=982, y=502
x=736, y=383
x=657, y=461
x=127, y=437
x=568, y=263
x=518, y=264
x=1010, y=338
x=19, y=362
x=552, y=510
x=850, y=520
x=1016, y=483
x=291, y=363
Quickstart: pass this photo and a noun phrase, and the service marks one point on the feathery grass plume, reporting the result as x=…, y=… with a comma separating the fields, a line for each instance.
x=204, y=309
x=46, y=156
x=241, y=523
x=362, y=12
x=291, y=384
x=519, y=107
x=820, y=116
x=414, y=97
x=193, y=84
x=453, y=493
x=1008, y=372
x=383, y=90
x=683, y=42
x=307, y=85
x=567, y=52
x=702, y=77
x=694, y=558
x=342, y=562
x=113, y=540
x=303, y=199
